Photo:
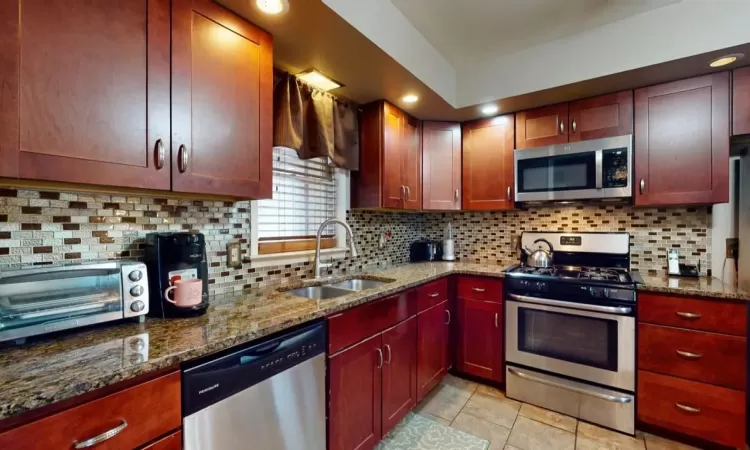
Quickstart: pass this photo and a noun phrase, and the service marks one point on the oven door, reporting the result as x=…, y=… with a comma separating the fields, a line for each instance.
x=598, y=168
x=592, y=346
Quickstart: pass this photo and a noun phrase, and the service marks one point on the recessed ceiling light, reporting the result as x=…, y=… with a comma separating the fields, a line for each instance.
x=272, y=6
x=317, y=79
x=726, y=59
x=411, y=98
x=489, y=110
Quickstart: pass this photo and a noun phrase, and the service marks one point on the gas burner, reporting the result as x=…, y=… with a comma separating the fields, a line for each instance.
x=601, y=274
x=535, y=270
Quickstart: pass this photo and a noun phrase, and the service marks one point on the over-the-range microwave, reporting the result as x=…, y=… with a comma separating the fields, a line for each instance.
x=595, y=169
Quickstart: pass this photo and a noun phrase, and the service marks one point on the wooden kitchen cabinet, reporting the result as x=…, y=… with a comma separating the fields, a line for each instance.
x=391, y=152
x=480, y=338
x=682, y=142
x=741, y=101
x=222, y=77
x=601, y=117
x=547, y=125
x=354, y=406
x=171, y=442
x=433, y=333
x=399, y=372
x=84, y=101
x=441, y=166
x=487, y=172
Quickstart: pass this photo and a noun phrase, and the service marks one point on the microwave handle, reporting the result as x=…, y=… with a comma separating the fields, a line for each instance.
x=599, y=169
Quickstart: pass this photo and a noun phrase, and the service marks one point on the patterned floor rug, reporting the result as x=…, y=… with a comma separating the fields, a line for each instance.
x=419, y=433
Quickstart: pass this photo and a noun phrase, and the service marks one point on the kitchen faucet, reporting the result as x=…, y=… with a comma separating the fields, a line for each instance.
x=352, y=247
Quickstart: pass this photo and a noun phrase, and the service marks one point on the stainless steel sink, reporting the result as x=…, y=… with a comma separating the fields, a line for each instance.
x=320, y=292
x=358, y=284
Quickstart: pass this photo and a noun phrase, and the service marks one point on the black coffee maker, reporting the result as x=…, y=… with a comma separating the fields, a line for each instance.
x=170, y=257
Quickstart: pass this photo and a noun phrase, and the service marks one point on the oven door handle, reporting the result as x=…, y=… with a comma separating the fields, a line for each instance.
x=549, y=302
x=609, y=398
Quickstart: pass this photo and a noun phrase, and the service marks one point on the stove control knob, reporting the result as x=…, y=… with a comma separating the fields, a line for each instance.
x=137, y=306
x=541, y=287
x=592, y=292
x=605, y=291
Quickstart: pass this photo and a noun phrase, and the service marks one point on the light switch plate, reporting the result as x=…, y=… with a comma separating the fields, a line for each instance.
x=234, y=255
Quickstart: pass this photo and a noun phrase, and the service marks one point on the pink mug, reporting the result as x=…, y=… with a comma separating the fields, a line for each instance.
x=187, y=292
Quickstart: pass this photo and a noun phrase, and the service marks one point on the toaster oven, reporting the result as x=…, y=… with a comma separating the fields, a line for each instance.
x=36, y=301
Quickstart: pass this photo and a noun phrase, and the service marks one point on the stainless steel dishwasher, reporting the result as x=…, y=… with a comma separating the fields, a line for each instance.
x=267, y=395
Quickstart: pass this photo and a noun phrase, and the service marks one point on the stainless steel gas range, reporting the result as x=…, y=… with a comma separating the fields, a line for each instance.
x=570, y=329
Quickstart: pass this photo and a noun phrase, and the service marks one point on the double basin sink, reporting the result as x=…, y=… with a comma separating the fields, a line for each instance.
x=337, y=289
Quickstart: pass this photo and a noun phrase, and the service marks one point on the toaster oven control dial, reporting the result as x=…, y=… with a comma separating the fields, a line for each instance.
x=137, y=306
x=136, y=291
x=135, y=275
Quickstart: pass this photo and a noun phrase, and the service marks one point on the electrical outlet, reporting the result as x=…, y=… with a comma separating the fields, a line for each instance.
x=733, y=247
x=234, y=255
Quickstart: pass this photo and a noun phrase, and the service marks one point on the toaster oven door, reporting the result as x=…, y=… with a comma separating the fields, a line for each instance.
x=37, y=301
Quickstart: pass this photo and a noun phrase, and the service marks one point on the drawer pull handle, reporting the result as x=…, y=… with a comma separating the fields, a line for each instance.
x=689, y=409
x=102, y=437
x=434, y=294
x=477, y=289
x=688, y=315
x=689, y=355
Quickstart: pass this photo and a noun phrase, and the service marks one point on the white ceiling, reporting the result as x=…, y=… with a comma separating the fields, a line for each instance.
x=465, y=31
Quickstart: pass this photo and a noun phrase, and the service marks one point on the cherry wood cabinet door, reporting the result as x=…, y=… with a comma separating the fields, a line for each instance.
x=222, y=82
x=487, y=170
x=542, y=126
x=441, y=166
x=393, y=159
x=682, y=142
x=432, y=346
x=480, y=339
x=84, y=101
x=412, y=157
x=399, y=372
x=741, y=101
x=601, y=117
x=354, y=408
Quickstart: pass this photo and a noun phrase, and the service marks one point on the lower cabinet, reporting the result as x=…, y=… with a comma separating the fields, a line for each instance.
x=171, y=442
x=399, y=372
x=480, y=338
x=432, y=347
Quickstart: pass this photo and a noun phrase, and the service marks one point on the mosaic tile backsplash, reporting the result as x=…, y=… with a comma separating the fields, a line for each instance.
x=44, y=227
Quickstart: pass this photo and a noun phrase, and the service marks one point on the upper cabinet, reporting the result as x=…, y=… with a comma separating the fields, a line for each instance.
x=87, y=102
x=488, y=164
x=741, y=101
x=391, y=158
x=441, y=166
x=222, y=102
x=682, y=142
x=84, y=101
x=591, y=118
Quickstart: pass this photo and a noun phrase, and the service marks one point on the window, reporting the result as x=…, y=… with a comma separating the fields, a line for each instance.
x=305, y=194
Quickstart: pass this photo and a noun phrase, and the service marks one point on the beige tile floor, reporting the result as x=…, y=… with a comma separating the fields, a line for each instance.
x=510, y=425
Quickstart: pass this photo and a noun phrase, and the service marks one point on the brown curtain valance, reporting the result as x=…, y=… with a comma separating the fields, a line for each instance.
x=314, y=122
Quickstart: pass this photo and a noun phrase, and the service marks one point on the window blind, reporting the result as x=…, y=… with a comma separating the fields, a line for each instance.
x=304, y=196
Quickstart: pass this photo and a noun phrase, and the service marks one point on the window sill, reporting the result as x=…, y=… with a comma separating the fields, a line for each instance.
x=278, y=259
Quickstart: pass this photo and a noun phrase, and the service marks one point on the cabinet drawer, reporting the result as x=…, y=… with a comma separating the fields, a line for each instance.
x=685, y=312
x=358, y=323
x=150, y=409
x=695, y=355
x=431, y=294
x=480, y=288
x=708, y=412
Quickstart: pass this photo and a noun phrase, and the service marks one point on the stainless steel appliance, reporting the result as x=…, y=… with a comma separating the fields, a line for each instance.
x=599, y=168
x=570, y=329
x=267, y=395
x=37, y=300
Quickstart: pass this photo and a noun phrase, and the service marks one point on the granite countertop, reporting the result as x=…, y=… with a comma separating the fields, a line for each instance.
x=56, y=369
x=698, y=287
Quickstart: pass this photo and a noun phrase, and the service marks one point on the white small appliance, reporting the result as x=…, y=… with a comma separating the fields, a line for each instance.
x=449, y=253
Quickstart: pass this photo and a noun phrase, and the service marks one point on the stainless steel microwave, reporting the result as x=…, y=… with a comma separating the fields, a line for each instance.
x=599, y=168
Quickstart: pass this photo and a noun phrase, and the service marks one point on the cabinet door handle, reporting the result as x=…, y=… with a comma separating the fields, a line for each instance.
x=688, y=315
x=449, y=317
x=643, y=185
x=496, y=317
x=689, y=409
x=408, y=193
x=477, y=289
x=562, y=127
x=102, y=437
x=455, y=196
x=507, y=193
x=159, y=154
x=182, y=159
x=689, y=355
x=388, y=353
x=380, y=359
x=573, y=126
